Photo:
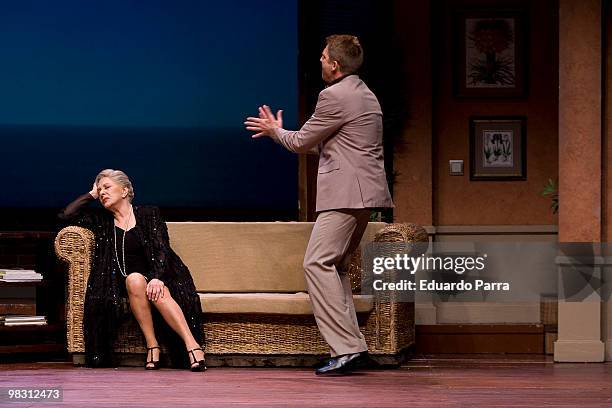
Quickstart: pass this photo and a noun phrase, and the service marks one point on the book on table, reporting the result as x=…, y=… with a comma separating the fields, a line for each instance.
x=24, y=320
x=19, y=275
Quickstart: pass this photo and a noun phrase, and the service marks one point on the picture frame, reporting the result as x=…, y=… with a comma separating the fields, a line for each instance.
x=490, y=53
x=498, y=149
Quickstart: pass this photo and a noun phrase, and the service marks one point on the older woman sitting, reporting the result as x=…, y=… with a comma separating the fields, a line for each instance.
x=133, y=260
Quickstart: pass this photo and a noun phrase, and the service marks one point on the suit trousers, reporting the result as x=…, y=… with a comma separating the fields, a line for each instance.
x=336, y=234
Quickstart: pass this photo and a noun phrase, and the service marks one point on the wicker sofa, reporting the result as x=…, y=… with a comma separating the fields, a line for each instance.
x=253, y=293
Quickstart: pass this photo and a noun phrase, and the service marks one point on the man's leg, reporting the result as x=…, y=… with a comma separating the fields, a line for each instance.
x=362, y=223
x=333, y=235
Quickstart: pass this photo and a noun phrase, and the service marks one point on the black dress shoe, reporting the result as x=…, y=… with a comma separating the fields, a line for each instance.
x=321, y=363
x=343, y=364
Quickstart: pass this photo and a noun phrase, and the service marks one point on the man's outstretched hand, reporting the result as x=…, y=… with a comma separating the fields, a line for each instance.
x=265, y=124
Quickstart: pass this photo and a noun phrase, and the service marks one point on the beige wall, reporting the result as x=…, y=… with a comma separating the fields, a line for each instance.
x=413, y=188
x=490, y=312
x=437, y=130
x=424, y=191
x=607, y=175
x=580, y=167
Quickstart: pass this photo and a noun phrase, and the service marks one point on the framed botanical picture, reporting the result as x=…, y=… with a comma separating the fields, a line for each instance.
x=490, y=51
x=498, y=148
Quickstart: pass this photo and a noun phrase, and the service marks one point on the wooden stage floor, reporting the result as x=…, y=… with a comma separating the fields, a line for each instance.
x=434, y=381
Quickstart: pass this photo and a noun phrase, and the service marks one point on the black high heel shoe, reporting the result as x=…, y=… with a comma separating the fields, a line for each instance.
x=201, y=364
x=154, y=364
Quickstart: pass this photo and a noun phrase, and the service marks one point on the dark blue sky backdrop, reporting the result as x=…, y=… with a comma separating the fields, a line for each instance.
x=184, y=64
x=145, y=62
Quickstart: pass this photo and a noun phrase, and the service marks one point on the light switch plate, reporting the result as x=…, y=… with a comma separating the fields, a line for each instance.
x=455, y=167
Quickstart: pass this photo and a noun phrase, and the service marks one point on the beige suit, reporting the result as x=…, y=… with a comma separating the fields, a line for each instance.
x=346, y=131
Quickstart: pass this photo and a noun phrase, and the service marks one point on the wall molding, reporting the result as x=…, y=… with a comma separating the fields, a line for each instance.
x=491, y=229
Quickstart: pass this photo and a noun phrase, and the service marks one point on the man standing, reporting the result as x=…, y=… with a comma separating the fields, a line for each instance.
x=346, y=132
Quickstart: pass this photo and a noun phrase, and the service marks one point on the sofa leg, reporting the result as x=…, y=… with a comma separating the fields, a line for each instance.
x=78, y=359
x=393, y=360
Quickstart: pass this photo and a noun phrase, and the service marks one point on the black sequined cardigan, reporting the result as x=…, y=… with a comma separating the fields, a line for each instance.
x=104, y=308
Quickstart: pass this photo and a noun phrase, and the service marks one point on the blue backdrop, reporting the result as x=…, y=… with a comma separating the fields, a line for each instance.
x=158, y=89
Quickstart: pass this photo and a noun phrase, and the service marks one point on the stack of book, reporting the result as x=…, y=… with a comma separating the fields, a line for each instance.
x=23, y=320
x=18, y=303
x=19, y=275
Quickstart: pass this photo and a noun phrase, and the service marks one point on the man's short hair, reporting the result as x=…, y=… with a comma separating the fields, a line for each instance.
x=346, y=50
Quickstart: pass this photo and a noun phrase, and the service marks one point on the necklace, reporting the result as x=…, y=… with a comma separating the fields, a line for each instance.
x=124, y=269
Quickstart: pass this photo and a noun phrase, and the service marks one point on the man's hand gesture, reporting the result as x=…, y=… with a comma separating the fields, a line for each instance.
x=265, y=124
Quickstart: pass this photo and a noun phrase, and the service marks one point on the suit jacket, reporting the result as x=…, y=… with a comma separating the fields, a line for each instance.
x=346, y=131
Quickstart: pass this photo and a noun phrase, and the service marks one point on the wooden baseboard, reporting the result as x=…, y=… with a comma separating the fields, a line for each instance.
x=480, y=338
x=550, y=338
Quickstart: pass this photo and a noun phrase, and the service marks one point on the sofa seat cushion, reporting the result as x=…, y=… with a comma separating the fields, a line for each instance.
x=270, y=303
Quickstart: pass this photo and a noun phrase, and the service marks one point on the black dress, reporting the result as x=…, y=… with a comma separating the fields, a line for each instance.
x=104, y=309
x=131, y=256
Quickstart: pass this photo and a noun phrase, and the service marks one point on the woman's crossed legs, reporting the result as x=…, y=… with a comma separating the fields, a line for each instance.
x=167, y=307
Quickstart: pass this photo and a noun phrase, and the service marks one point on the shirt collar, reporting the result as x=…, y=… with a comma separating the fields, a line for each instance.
x=335, y=81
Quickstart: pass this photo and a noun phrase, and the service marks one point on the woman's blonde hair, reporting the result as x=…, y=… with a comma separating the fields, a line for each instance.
x=118, y=177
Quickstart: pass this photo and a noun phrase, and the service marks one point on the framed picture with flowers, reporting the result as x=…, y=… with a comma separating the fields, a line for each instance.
x=498, y=148
x=490, y=51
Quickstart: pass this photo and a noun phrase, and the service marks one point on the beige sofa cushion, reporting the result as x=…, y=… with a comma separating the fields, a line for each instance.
x=270, y=303
x=246, y=256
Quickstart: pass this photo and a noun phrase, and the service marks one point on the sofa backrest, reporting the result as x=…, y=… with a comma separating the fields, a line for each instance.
x=246, y=256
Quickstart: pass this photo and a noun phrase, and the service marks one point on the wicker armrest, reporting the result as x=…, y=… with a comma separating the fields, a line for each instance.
x=393, y=239
x=402, y=233
x=75, y=246
x=394, y=328
x=391, y=233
